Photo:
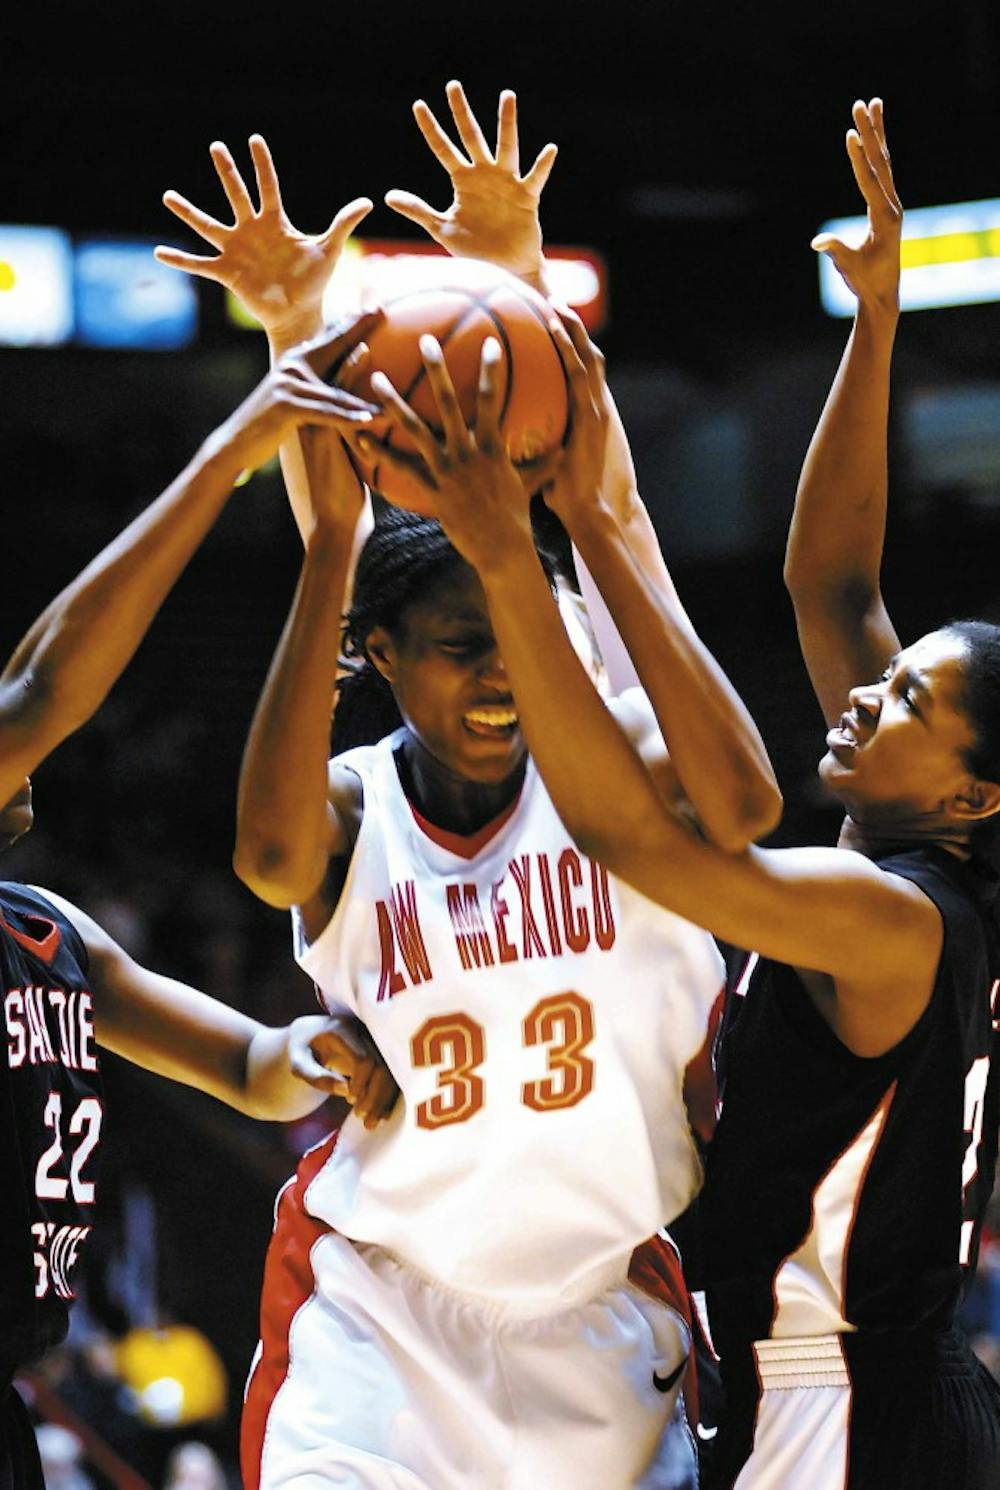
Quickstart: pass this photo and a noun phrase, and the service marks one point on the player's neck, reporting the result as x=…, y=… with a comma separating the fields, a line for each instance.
x=448, y=800
x=875, y=840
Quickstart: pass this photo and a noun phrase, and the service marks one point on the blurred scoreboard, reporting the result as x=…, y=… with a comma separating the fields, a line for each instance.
x=949, y=256
x=94, y=292
x=376, y=270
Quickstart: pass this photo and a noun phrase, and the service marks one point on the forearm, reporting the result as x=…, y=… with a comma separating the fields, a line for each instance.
x=597, y=790
x=282, y=845
x=835, y=543
x=714, y=745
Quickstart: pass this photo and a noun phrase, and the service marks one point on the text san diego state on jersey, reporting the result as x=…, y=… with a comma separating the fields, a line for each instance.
x=51, y=1114
x=848, y=1193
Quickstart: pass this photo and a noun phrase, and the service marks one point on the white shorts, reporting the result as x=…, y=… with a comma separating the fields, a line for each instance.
x=370, y=1377
x=803, y=1417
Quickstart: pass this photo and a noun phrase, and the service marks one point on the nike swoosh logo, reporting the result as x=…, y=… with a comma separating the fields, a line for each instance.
x=705, y=1433
x=667, y=1383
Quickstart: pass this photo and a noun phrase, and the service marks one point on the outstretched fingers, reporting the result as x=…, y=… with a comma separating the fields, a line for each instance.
x=416, y=209
x=399, y=412
x=870, y=164
x=268, y=190
x=542, y=169
x=346, y=220
x=508, y=149
x=232, y=182
x=199, y=222
x=489, y=402
x=204, y=267
x=441, y=147
x=467, y=124
x=457, y=439
x=334, y=344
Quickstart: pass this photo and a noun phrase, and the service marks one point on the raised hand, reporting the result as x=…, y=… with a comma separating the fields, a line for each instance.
x=871, y=272
x=577, y=482
x=494, y=212
x=338, y=1056
x=479, y=495
x=277, y=273
x=293, y=395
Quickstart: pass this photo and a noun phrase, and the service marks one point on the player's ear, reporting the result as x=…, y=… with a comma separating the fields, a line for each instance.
x=980, y=799
x=382, y=652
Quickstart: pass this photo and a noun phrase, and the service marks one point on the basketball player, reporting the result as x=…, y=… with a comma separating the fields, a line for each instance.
x=67, y=986
x=854, y=1156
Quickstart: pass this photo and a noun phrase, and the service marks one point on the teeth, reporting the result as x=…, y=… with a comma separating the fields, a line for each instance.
x=497, y=716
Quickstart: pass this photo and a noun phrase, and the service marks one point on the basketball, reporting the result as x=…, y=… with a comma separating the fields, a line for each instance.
x=466, y=302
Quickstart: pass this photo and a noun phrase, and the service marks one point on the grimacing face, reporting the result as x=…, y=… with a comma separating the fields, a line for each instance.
x=449, y=680
x=898, y=754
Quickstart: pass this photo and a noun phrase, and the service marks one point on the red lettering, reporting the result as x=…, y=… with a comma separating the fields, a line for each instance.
x=506, y=951
x=390, y=979
x=576, y=922
x=406, y=924
x=604, y=916
x=549, y=902
x=521, y=871
x=469, y=927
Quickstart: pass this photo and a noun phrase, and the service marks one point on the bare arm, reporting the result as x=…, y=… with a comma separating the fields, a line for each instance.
x=287, y=828
x=65, y=665
x=876, y=936
x=834, y=556
x=176, y=1031
x=278, y=273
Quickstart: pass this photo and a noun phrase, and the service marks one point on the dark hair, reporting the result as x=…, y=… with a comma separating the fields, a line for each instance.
x=405, y=557
x=980, y=701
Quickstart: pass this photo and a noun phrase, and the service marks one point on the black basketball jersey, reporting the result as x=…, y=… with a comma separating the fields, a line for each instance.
x=51, y=1113
x=843, y=1192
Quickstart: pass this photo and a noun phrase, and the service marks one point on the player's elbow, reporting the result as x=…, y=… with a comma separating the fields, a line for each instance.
x=758, y=814
x=273, y=873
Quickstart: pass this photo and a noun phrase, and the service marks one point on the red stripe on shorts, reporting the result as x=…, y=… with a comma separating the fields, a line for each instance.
x=655, y=1267
x=288, y=1283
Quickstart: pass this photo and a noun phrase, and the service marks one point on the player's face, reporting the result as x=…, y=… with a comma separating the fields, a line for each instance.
x=16, y=818
x=897, y=754
x=450, y=683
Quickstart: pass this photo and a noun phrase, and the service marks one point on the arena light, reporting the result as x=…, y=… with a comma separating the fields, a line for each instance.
x=373, y=269
x=949, y=256
x=125, y=298
x=36, y=286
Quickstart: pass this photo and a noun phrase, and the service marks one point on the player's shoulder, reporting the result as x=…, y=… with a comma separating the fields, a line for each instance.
x=346, y=797
x=44, y=924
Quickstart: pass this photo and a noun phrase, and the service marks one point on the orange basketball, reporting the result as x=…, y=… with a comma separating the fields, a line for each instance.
x=466, y=302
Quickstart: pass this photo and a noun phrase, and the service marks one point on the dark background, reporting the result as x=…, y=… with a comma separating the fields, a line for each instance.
x=700, y=149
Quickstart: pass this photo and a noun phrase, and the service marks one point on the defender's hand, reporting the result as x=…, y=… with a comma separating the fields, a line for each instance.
x=494, y=212
x=293, y=394
x=871, y=272
x=277, y=273
x=576, y=487
x=338, y=1056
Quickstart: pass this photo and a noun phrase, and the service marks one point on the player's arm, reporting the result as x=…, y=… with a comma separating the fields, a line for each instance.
x=174, y=1030
x=495, y=215
x=292, y=820
x=827, y=910
x=65, y=665
x=834, y=556
x=278, y=273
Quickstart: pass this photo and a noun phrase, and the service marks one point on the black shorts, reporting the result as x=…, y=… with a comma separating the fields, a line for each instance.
x=20, y=1466
x=907, y=1411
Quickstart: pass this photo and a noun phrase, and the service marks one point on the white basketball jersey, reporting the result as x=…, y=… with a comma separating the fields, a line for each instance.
x=540, y=1018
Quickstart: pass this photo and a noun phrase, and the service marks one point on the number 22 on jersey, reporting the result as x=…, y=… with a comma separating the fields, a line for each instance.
x=564, y=1022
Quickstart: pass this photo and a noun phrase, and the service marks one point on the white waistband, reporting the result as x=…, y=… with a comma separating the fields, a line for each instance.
x=801, y=1361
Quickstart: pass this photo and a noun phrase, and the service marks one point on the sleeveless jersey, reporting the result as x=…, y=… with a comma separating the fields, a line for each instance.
x=847, y=1193
x=51, y=1111
x=540, y=1018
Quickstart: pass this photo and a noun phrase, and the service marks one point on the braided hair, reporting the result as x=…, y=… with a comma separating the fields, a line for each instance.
x=406, y=555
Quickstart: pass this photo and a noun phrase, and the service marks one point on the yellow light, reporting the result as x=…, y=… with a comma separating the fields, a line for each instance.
x=8, y=279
